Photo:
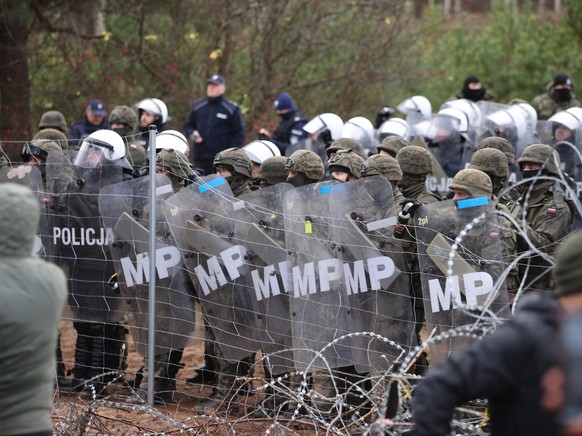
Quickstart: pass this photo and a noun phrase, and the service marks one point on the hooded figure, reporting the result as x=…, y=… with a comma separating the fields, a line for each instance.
x=33, y=295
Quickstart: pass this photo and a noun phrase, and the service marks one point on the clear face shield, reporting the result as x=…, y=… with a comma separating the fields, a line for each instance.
x=93, y=154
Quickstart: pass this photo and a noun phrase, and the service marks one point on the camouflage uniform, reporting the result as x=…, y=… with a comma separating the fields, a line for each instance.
x=345, y=144
x=240, y=166
x=547, y=104
x=416, y=164
x=478, y=183
x=548, y=216
x=135, y=152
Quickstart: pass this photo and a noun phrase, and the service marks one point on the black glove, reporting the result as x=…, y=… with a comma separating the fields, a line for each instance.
x=409, y=206
x=383, y=114
x=263, y=137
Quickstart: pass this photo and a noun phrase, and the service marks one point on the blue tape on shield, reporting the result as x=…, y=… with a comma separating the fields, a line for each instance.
x=330, y=189
x=207, y=186
x=472, y=202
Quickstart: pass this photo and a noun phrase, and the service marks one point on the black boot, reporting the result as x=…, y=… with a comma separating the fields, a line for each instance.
x=205, y=374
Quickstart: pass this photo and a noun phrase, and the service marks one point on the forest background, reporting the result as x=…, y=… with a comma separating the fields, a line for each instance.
x=349, y=57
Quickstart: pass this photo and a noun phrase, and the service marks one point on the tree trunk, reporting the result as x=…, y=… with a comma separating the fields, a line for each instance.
x=14, y=82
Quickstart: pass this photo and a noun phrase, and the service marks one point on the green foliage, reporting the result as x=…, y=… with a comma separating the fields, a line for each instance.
x=515, y=55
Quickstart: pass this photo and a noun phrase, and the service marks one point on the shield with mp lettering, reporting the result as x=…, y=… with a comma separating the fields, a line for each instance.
x=260, y=228
x=314, y=269
x=201, y=219
x=126, y=208
x=375, y=283
x=463, y=271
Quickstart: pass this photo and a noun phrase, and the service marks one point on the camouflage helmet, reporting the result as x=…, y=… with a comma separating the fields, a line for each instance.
x=39, y=148
x=174, y=161
x=491, y=161
x=124, y=115
x=382, y=165
x=346, y=160
x=306, y=162
x=392, y=144
x=500, y=144
x=476, y=183
x=414, y=160
x=273, y=170
x=344, y=144
x=53, y=120
x=236, y=159
x=54, y=135
x=543, y=155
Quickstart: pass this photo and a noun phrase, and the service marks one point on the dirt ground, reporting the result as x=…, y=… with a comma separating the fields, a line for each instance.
x=118, y=414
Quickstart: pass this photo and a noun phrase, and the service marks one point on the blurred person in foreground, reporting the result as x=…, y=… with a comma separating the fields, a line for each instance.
x=30, y=313
x=514, y=367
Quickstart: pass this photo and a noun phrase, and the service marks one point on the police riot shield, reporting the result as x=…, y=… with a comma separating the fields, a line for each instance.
x=125, y=208
x=30, y=176
x=260, y=228
x=79, y=242
x=461, y=267
x=201, y=220
x=373, y=275
x=314, y=272
x=441, y=135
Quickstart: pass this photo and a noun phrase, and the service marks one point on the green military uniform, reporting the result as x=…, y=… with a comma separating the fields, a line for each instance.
x=547, y=104
x=548, y=216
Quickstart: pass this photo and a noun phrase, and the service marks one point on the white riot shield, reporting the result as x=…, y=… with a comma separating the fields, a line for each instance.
x=79, y=241
x=260, y=228
x=461, y=266
x=125, y=209
x=201, y=220
x=374, y=279
x=314, y=278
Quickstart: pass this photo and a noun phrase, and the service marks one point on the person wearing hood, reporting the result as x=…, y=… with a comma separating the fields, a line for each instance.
x=214, y=124
x=33, y=296
x=473, y=90
x=558, y=97
x=290, y=129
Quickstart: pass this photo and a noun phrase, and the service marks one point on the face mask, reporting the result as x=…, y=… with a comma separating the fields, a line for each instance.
x=563, y=94
x=474, y=94
x=529, y=177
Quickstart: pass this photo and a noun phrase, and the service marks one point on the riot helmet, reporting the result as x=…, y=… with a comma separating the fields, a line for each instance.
x=260, y=150
x=327, y=126
x=172, y=140
x=394, y=127
x=156, y=107
x=417, y=104
x=100, y=148
x=362, y=130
